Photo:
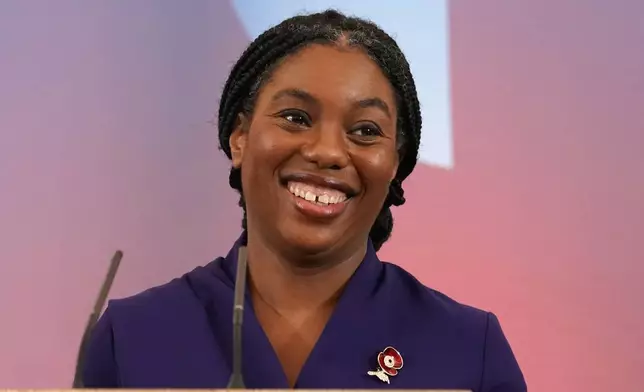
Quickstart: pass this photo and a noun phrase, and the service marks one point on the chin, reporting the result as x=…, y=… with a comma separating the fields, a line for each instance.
x=310, y=241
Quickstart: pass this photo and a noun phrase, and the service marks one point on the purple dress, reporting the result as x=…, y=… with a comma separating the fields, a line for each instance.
x=179, y=335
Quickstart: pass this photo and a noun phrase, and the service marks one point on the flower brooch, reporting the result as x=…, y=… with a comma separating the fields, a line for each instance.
x=389, y=363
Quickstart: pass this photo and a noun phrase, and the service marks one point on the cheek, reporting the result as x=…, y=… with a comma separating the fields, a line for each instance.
x=378, y=168
x=264, y=141
x=265, y=150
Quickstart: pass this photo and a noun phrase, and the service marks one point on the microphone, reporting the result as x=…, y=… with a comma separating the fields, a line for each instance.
x=237, y=378
x=93, y=317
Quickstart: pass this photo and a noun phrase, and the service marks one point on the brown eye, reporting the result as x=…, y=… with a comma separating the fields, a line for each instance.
x=366, y=131
x=296, y=117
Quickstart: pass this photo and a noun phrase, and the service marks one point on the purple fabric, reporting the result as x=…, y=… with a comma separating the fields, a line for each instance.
x=179, y=335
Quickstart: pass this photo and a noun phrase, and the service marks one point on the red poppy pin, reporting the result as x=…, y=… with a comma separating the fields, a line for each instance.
x=389, y=362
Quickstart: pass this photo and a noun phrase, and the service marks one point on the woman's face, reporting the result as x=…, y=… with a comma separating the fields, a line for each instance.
x=319, y=152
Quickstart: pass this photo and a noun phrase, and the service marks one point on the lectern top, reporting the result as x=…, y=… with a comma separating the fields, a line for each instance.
x=237, y=390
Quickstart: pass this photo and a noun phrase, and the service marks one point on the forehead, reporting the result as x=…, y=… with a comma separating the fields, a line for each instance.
x=332, y=73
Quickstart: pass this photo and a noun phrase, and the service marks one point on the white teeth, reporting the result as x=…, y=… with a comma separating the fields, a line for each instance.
x=316, y=194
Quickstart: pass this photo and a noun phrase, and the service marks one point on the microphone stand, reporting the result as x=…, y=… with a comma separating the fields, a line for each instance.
x=236, y=378
x=93, y=317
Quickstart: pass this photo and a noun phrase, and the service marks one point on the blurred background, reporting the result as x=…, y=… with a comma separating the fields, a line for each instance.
x=528, y=203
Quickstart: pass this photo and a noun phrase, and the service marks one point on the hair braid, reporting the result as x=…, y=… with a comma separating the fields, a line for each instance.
x=330, y=27
x=250, y=65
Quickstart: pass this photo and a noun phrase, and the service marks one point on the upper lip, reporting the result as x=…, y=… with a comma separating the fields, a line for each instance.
x=322, y=181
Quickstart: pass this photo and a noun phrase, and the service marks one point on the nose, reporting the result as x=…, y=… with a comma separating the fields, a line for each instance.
x=326, y=146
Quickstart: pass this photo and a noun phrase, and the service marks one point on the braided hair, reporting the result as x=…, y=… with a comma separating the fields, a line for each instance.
x=331, y=27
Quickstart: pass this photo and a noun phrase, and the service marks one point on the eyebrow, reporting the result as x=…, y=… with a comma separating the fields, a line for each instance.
x=374, y=103
x=295, y=93
x=304, y=96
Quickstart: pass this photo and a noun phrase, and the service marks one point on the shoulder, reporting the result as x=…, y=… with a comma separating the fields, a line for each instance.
x=176, y=295
x=175, y=299
x=165, y=318
x=403, y=287
x=473, y=337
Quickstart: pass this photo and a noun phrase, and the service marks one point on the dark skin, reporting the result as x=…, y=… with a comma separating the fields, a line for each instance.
x=328, y=111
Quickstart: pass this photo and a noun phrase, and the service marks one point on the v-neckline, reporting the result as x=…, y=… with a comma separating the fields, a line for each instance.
x=292, y=344
x=267, y=372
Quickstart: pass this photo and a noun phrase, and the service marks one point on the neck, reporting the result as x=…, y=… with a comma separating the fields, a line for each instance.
x=294, y=284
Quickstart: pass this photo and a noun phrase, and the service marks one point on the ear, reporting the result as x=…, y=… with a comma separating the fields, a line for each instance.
x=394, y=168
x=238, y=139
x=394, y=171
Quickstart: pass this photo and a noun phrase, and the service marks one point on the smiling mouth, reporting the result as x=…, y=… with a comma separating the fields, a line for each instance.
x=315, y=194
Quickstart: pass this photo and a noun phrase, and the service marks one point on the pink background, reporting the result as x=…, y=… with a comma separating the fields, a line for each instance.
x=105, y=143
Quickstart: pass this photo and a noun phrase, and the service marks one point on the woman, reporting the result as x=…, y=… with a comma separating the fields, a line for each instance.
x=321, y=121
